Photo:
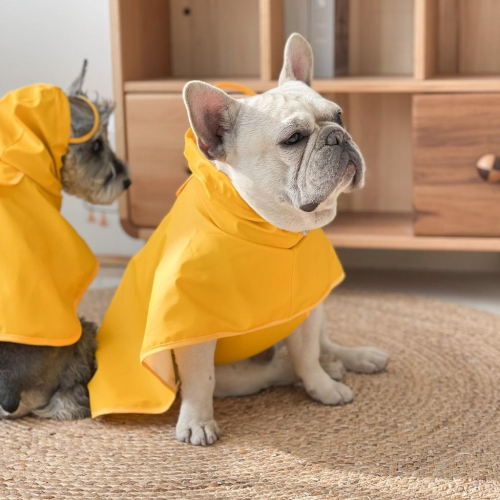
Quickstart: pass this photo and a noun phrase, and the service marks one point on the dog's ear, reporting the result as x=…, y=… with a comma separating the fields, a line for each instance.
x=212, y=115
x=82, y=118
x=106, y=109
x=298, y=61
x=76, y=88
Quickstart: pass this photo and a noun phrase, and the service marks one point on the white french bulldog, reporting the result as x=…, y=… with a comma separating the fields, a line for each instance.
x=289, y=156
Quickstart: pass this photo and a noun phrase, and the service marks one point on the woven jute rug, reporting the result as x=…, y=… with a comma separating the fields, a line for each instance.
x=428, y=427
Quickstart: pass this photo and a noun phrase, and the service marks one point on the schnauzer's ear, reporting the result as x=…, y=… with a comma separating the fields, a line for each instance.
x=82, y=118
x=298, y=61
x=212, y=114
x=76, y=88
x=105, y=109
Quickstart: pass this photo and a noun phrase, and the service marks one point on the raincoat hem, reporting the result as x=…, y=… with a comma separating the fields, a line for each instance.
x=172, y=345
x=135, y=409
x=27, y=340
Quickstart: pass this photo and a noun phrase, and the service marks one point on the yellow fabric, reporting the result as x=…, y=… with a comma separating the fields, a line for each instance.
x=214, y=269
x=45, y=266
x=235, y=86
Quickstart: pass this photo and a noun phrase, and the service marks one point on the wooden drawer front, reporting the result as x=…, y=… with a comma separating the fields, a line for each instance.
x=156, y=125
x=451, y=132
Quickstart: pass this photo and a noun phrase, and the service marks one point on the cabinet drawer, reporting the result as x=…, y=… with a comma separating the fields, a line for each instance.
x=451, y=132
x=156, y=124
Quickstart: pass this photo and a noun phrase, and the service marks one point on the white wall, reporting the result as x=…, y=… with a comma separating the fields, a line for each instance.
x=46, y=41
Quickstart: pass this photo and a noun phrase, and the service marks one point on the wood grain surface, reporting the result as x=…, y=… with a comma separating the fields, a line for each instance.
x=272, y=42
x=381, y=37
x=214, y=38
x=156, y=125
x=381, y=126
x=451, y=132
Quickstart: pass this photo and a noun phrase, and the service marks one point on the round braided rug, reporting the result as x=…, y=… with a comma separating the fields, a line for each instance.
x=428, y=427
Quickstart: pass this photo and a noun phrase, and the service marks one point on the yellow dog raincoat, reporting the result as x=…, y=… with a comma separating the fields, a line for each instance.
x=45, y=267
x=214, y=269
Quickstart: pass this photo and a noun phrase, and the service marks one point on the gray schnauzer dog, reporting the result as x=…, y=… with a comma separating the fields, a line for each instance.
x=51, y=382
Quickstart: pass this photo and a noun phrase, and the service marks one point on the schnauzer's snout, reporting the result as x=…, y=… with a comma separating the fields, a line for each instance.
x=4, y=413
x=9, y=405
x=336, y=137
x=118, y=165
x=126, y=183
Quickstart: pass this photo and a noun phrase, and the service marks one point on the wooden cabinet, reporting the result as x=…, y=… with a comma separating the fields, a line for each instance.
x=451, y=132
x=156, y=124
x=408, y=66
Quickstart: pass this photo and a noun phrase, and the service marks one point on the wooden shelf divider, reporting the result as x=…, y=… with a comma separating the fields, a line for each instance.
x=394, y=231
x=348, y=85
x=389, y=231
x=425, y=39
x=271, y=38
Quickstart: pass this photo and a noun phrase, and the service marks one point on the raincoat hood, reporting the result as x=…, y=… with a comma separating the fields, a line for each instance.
x=35, y=128
x=214, y=269
x=44, y=264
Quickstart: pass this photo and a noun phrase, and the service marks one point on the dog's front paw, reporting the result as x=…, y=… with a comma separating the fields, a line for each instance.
x=197, y=433
x=331, y=393
x=365, y=359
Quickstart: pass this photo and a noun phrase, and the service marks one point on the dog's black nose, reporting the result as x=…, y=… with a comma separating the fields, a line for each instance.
x=309, y=207
x=126, y=183
x=9, y=403
x=335, y=138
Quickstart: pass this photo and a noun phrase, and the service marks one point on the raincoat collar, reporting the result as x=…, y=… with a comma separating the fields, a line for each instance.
x=228, y=210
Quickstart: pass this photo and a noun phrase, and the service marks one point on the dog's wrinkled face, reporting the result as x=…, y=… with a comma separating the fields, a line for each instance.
x=286, y=151
x=91, y=170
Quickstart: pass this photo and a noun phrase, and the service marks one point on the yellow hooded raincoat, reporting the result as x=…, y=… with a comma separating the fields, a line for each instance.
x=214, y=269
x=45, y=266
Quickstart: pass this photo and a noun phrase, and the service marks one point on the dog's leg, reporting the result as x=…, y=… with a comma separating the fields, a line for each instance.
x=355, y=359
x=250, y=376
x=304, y=347
x=196, y=424
x=71, y=403
x=71, y=399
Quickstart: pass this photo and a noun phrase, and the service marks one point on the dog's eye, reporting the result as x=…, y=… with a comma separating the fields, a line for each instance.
x=338, y=118
x=294, y=139
x=97, y=146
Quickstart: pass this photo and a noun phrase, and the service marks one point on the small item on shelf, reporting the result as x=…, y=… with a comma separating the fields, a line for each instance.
x=315, y=20
x=488, y=168
x=322, y=36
